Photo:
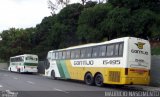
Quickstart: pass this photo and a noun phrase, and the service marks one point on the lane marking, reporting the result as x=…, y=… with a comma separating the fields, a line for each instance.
x=1, y=86
x=12, y=94
x=5, y=75
x=15, y=78
x=30, y=82
x=60, y=90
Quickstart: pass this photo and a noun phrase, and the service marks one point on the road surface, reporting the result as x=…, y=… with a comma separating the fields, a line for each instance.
x=29, y=85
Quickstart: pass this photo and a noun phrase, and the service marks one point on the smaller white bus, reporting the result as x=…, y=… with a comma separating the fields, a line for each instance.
x=23, y=63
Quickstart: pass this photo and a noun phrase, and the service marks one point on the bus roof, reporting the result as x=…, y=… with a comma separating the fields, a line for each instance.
x=24, y=55
x=96, y=44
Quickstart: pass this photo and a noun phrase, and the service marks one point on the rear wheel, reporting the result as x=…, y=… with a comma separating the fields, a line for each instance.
x=53, y=75
x=19, y=70
x=99, y=80
x=10, y=70
x=89, y=79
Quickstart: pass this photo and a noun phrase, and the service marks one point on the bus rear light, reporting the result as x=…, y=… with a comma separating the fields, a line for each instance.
x=149, y=72
x=126, y=71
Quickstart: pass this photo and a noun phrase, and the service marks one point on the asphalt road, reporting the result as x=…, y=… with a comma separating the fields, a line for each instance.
x=29, y=85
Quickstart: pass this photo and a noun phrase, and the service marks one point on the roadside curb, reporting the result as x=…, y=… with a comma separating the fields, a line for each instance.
x=4, y=69
x=147, y=88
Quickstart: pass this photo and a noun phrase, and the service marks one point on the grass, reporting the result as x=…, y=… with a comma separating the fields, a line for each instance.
x=155, y=51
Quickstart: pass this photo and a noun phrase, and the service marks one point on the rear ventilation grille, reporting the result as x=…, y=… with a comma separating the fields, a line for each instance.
x=114, y=76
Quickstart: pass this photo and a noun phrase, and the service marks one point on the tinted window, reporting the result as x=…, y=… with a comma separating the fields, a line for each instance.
x=64, y=55
x=56, y=55
x=49, y=55
x=102, y=51
x=77, y=53
x=53, y=55
x=60, y=55
x=110, y=50
x=121, y=49
x=88, y=52
x=116, y=49
x=95, y=51
x=72, y=54
x=68, y=55
x=83, y=51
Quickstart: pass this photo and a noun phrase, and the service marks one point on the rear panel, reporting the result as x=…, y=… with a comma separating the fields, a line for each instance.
x=139, y=54
x=139, y=61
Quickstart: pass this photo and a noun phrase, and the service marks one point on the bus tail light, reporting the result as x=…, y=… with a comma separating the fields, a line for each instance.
x=126, y=71
x=149, y=72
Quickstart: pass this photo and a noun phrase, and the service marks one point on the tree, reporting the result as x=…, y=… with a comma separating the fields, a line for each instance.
x=89, y=22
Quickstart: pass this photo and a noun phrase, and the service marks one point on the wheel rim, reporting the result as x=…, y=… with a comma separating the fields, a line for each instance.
x=89, y=79
x=99, y=80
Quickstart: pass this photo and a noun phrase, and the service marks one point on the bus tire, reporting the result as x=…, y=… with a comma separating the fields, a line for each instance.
x=98, y=80
x=53, y=74
x=10, y=70
x=89, y=80
x=19, y=70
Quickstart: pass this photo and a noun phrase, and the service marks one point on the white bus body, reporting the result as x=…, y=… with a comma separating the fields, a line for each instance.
x=23, y=63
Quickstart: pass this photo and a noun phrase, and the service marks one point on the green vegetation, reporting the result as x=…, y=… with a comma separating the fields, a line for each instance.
x=155, y=51
x=78, y=24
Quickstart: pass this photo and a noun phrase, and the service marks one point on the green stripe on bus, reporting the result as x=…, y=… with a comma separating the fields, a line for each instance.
x=61, y=72
x=31, y=64
x=64, y=67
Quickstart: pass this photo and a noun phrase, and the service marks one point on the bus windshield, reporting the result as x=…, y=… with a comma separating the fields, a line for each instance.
x=31, y=58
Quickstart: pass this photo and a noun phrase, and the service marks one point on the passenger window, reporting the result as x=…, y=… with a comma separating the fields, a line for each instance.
x=110, y=50
x=60, y=55
x=72, y=54
x=116, y=49
x=77, y=54
x=49, y=56
x=64, y=55
x=88, y=52
x=56, y=55
x=83, y=51
x=95, y=51
x=102, y=51
x=68, y=54
x=53, y=56
x=121, y=49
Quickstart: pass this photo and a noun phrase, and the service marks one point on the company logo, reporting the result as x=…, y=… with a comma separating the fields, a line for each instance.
x=140, y=45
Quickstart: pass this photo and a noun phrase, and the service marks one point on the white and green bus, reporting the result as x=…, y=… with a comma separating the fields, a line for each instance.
x=23, y=63
x=119, y=61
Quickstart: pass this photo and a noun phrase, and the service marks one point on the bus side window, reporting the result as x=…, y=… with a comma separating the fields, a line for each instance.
x=72, y=54
x=102, y=51
x=121, y=49
x=56, y=55
x=60, y=55
x=110, y=50
x=88, y=52
x=116, y=49
x=64, y=55
x=95, y=51
x=48, y=56
x=83, y=51
x=77, y=53
x=53, y=56
x=68, y=55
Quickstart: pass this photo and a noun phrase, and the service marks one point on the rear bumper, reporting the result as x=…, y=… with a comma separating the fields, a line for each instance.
x=130, y=81
x=137, y=80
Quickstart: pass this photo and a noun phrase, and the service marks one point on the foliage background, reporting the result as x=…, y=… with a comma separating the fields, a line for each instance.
x=78, y=24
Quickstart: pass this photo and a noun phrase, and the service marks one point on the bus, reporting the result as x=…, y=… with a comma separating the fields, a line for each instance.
x=121, y=61
x=23, y=63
